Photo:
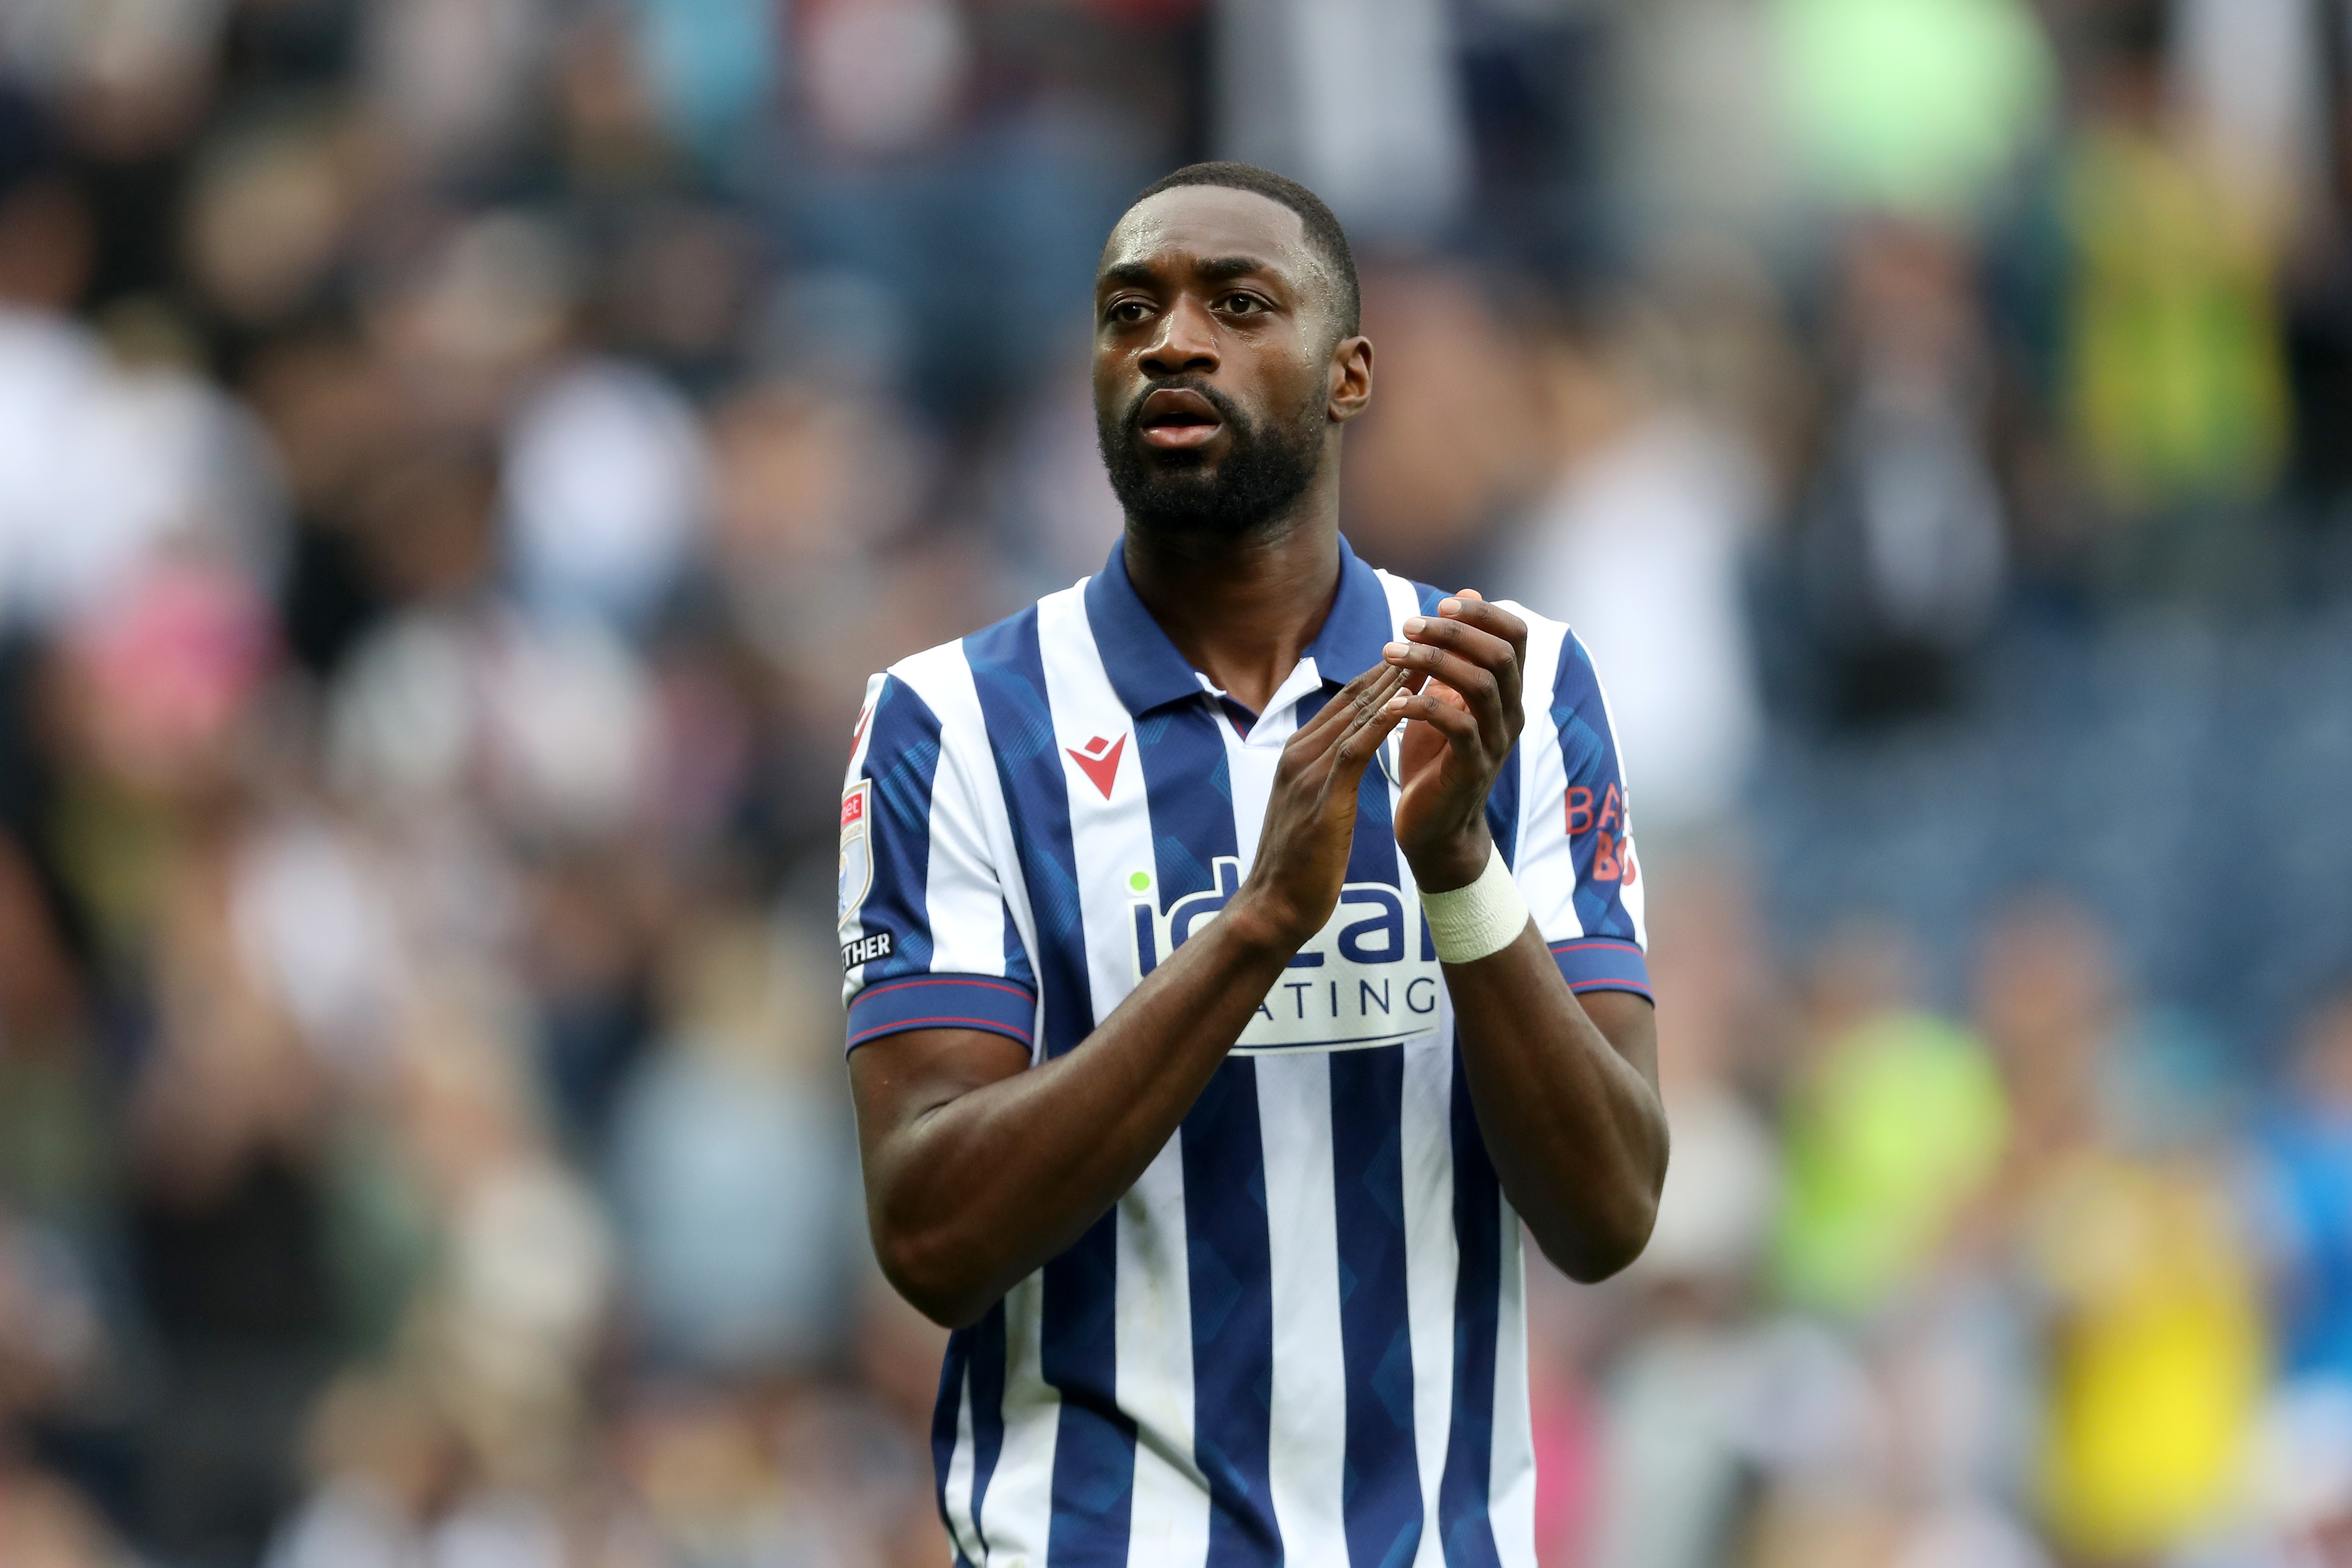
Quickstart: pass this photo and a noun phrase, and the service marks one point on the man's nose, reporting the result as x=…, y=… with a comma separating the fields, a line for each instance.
x=1187, y=341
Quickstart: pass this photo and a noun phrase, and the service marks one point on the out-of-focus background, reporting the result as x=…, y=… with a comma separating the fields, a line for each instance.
x=459, y=458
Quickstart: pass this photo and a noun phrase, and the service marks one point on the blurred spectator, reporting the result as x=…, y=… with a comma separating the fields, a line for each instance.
x=1356, y=100
x=604, y=494
x=2154, y=1336
x=2255, y=82
x=1642, y=548
x=51, y=1342
x=397, y=1484
x=49, y=376
x=54, y=1163
x=47, y=1524
x=588, y=925
x=227, y=1233
x=1902, y=533
x=883, y=78
x=451, y=79
x=332, y=413
x=1679, y=1421
x=1897, y=1118
x=1700, y=137
x=711, y=67
x=729, y=1162
x=2302, y=1194
x=1567, y=1420
x=1724, y=1189
x=814, y=484
x=386, y=1465
x=1457, y=435
x=269, y=209
x=312, y=921
x=2175, y=381
x=168, y=666
x=505, y=1324
x=469, y=312
x=1050, y=497
x=104, y=464
x=552, y=719
x=680, y=291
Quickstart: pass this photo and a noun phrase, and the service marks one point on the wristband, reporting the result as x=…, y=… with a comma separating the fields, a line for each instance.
x=1470, y=923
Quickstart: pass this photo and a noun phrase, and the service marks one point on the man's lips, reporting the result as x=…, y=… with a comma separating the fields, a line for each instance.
x=1177, y=419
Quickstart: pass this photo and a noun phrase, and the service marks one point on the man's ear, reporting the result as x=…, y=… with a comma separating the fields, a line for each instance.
x=1352, y=379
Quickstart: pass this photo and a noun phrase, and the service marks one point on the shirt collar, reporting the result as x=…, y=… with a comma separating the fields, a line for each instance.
x=1147, y=671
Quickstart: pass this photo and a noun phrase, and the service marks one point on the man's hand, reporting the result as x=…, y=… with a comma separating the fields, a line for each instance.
x=1310, y=818
x=1466, y=686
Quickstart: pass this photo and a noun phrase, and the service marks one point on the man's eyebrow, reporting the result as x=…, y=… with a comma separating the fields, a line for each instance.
x=1217, y=270
x=1226, y=268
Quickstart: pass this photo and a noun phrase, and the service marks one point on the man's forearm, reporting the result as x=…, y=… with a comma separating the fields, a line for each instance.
x=982, y=1189
x=1575, y=1128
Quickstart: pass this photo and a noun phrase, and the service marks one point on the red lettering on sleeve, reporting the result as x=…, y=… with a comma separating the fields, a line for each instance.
x=1611, y=809
x=1605, y=867
x=1579, y=811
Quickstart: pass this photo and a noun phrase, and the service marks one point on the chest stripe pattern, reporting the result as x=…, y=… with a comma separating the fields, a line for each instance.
x=1380, y=1483
x=1227, y=1268
x=1094, y=1445
x=1306, y=1386
x=1112, y=826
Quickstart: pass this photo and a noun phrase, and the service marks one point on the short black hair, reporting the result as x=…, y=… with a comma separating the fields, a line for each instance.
x=1323, y=230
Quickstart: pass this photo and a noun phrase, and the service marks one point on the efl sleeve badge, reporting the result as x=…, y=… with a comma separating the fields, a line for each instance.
x=856, y=847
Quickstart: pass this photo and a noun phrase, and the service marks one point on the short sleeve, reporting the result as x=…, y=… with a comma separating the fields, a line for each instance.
x=1575, y=863
x=927, y=939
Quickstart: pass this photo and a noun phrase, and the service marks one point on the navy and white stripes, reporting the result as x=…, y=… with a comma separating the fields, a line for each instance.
x=1300, y=1338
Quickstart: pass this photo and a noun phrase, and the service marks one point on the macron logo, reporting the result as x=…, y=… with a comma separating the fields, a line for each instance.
x=1100, y=761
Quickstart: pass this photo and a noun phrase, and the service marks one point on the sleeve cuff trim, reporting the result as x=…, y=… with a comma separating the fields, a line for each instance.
x=1602, y=964
x=1028, y=998
x=943, y=1001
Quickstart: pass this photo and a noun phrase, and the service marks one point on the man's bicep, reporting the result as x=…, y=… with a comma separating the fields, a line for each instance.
x=899, y=1078
x=1628, y=1023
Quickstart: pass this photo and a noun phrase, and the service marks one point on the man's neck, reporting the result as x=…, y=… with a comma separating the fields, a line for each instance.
x=1243, y=610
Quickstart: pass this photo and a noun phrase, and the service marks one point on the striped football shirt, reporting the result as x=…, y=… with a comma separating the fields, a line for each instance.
x=1300, y=1337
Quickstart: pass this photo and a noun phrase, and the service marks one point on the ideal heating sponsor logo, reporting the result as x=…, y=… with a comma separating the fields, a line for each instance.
x=1369, y=978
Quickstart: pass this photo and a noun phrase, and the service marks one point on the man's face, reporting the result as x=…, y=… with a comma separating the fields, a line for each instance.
x=1216, y=382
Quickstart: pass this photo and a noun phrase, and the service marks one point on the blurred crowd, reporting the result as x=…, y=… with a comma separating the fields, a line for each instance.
x=461, y=458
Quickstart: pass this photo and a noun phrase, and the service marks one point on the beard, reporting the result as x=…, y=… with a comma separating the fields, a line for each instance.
x=1266, y=467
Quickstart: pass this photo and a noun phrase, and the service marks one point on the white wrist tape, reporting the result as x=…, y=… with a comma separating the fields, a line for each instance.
x=1469, y=923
